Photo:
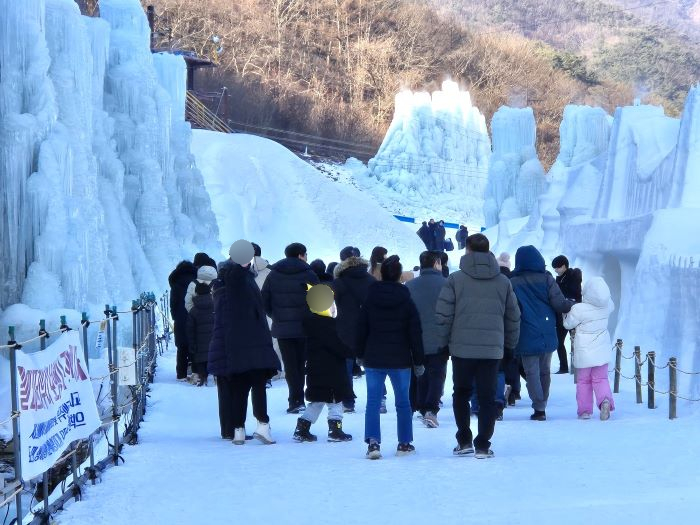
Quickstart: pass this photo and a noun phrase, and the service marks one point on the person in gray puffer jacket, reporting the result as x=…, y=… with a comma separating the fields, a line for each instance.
x=425, y=290
x=478, y=318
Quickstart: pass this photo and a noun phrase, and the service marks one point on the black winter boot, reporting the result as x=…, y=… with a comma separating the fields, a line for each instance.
x=301, y=433
x=335, y=431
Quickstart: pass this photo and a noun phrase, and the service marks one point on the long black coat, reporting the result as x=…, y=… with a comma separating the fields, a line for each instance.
x=350, y=286
x=241, y=339
x=389, y=332
x=284, y=296
x=461, y=237
x=180, y=278
x=200, y=326
x=327, y=378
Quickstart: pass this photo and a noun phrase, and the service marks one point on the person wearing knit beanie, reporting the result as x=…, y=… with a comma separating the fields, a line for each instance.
x=504, y=260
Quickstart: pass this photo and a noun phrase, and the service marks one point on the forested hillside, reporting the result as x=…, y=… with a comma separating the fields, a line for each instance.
x=331, y=68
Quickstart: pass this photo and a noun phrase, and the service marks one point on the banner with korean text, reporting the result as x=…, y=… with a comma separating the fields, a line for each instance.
x=56, y=402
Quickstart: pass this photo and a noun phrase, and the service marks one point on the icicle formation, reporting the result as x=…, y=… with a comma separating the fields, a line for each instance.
x=435, y=144
x=27, y=111
x=96, y=204
x=515, y=171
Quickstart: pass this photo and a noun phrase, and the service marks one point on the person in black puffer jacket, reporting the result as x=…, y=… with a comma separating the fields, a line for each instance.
x=327, y=382
x=180, y=278
x=240, y=353
x=200, y=325
x=389, y=343
x=569, y=281
x=351, y=283
x=284, y=298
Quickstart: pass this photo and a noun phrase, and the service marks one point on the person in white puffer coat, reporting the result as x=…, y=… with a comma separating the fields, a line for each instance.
x=205, y=274
x=592, y=348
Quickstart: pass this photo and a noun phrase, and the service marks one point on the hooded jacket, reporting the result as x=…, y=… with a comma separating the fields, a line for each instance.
x=205, y=274
x=425, y=290
x=540, y=299
x=180, y=278
x=389, y=330
x=241, y=338
x=350, y=287
x=477, y=313
x=592, y=345
x=284, y=296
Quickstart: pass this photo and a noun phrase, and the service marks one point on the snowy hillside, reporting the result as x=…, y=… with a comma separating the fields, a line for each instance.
x=262, y=192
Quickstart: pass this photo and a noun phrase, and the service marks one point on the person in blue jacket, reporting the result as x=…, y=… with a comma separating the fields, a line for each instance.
x=540, y=299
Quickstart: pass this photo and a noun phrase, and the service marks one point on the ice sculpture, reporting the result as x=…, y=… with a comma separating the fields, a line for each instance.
x=574, y=180
x=100, y=193
x=642, y=237
x=436, y=147
x=515, y=170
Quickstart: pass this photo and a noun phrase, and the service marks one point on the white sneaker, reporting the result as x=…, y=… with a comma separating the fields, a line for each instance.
x=193, y=379
x=430, y=420
x=262, y=433
x=585, y=415
x=239, y=436
x=605, y=410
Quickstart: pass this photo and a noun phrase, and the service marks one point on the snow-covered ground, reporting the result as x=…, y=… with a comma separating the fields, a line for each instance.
x=262, y=192
x=637, y=468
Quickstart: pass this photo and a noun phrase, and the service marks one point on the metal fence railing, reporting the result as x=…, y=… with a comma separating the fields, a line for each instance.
x=121, y=405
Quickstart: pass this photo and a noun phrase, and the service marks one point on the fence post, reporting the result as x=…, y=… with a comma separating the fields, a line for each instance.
x=618, y=364
x=84, y=324
x=112, y=382
x=638, y=373
x=673, y=388
x=45, y=475
x=115, y=382
x=15, y=422
x=651, y=372
x=135, y=344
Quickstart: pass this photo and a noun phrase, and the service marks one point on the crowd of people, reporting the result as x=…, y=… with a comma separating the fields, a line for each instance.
x=317, y=325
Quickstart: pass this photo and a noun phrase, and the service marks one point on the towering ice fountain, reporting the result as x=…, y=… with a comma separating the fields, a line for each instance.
x=435, y=154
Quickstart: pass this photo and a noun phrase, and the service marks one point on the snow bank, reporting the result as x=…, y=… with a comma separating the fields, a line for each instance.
x=262, y=192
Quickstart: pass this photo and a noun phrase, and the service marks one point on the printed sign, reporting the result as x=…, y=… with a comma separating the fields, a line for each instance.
x=127, y=367
x=100, y=341
x=56, y=402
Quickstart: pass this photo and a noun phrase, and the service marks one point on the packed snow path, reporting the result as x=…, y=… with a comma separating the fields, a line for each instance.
x=639, y=467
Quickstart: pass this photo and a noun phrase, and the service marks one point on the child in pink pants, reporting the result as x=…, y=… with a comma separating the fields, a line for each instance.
x=592, y=348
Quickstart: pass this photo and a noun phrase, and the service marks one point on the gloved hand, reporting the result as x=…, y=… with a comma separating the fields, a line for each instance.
x=360, y=361
x=419, y=370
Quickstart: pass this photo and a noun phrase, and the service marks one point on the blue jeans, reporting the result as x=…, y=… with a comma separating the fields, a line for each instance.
x=500, y=393
x=400, y=382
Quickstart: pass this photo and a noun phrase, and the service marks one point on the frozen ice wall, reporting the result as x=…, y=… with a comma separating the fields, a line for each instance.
x=515, y=177
x=99, y=186
x=437, y=144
